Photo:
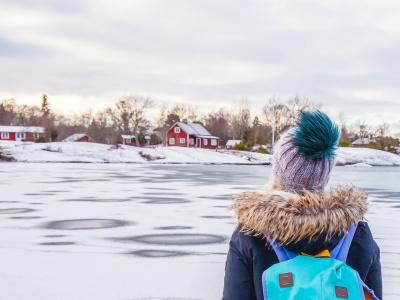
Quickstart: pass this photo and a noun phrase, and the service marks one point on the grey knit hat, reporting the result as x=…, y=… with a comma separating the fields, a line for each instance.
x=305, y=155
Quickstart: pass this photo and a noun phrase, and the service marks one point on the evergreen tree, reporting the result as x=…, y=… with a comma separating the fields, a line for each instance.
x=256, y=122
x=45, y=106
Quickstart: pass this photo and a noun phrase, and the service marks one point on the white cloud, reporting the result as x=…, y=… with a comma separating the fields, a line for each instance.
x=342, y=54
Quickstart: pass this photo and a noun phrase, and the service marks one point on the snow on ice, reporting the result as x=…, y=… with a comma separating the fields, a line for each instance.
x=136, y=231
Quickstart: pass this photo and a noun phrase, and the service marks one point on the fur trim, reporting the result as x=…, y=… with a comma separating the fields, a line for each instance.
x=289, y=217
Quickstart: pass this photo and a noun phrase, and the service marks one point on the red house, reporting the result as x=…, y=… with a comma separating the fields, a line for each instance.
x=191, y=135
x=78, y=137
x=20, y=133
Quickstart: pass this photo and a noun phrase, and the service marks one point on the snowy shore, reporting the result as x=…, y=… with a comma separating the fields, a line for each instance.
x=60, y=152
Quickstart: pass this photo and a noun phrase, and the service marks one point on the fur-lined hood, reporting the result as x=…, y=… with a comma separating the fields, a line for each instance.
x=290, y=218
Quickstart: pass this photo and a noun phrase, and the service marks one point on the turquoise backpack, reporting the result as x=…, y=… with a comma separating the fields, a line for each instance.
x=301, y=277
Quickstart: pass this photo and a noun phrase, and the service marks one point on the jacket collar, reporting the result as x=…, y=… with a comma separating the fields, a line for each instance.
x=291, y=217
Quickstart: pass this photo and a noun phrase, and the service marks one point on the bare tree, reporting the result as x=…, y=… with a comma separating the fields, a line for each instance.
x=218, y=123
x=344, y=131
x=363, y=129
x=101, y=129
x=277, y=115
x=129, y=115
x=342, y=120
x=297, y=105
x=162, y=115
x=8, y=111
x=241, y=119
x=185, y=112
x=383, y=129
x=281, y=115
x=85, y=118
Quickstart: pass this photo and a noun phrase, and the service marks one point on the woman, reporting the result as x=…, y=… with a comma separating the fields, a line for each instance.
x=299, y=213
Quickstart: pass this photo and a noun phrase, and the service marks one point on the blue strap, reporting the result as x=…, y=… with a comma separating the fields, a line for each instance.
x=340, y=252
x=281, y=252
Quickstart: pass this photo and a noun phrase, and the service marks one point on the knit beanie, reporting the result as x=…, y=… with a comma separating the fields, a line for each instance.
x=305, y=155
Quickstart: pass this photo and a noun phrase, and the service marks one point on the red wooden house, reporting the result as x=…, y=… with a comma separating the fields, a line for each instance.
x=191, y=135
x=21, y=133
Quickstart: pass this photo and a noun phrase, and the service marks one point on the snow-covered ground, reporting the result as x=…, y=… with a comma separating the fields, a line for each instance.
x=134, y=231
x=366, y=157
x=99, y=153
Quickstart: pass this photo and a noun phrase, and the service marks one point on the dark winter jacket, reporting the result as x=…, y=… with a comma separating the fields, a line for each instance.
x=306, y=223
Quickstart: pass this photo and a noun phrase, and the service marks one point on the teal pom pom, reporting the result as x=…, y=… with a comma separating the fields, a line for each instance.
x=316, y=135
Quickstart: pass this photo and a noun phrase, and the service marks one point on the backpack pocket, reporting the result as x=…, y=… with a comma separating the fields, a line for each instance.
x=311, y=278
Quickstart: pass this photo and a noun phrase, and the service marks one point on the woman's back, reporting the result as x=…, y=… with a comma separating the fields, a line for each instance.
x=299, y=213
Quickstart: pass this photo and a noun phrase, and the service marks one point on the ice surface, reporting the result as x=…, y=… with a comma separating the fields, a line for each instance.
x=171, y=248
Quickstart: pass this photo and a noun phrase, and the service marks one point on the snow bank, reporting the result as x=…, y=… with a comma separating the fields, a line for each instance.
x=365, y=156
x=99, y=153
x=359, y=165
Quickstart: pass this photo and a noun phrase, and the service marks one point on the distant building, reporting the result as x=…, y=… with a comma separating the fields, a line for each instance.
x=21, y=133
x=147, y=140
x=78, y=137
x=266, y=147
x=128, y=139
x=362, y=142
x=191, y=135
x=231, y=144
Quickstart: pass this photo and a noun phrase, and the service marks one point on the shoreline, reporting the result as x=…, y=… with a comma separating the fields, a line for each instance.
x=92, y=153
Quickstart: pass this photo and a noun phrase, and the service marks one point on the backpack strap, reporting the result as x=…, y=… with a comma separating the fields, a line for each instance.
x=340, y=252
x=281, y=252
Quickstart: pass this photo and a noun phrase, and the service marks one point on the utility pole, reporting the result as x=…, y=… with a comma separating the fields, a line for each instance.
x=273, y=134
x=273, y=126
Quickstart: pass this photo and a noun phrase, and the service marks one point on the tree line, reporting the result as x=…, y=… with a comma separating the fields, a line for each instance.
x=130, y=115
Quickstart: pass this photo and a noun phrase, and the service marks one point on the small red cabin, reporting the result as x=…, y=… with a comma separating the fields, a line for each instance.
x=78, y=137
x=20, y=133
x=191, y=135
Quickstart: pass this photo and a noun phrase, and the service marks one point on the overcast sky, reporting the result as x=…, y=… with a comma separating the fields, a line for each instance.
x=344, y=55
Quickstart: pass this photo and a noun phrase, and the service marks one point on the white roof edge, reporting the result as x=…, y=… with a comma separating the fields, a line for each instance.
x=233, y=142
x=30, y=129
x=208, y=136
x=74, y=137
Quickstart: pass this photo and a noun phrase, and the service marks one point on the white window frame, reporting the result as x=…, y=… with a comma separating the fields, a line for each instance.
x=205, y=142
x=177, y=129
x=5, y=135
x=20, y=135
x=214, y=142
x=182, y=141
x=171, y=141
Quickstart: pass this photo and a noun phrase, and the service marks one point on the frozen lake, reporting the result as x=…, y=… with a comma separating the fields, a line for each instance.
x=110, y=231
